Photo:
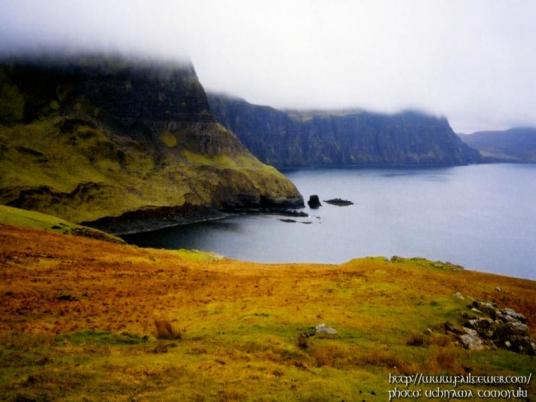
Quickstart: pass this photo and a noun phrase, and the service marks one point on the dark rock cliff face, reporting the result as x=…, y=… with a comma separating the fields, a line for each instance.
x=106, y=138
x=513, y=145
x=129, y=89
x=353, y=138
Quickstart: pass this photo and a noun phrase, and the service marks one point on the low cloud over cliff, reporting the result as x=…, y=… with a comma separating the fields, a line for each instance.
x=473, y=61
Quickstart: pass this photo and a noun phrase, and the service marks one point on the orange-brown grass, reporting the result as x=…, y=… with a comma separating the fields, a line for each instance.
x=446, y=360
x=78, y=319
x=165, y=330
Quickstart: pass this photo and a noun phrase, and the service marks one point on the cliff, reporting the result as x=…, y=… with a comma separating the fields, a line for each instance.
x=121, y=142
x=342, y=138
x=513, y=145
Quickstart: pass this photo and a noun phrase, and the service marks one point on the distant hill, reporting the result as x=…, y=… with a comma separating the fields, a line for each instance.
x=341, y=138
x=122, y=144
x=513, y=145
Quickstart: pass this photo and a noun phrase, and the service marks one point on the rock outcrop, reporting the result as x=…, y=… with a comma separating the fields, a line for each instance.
x=314, y=202
x=116, y=140
x=486, y=325
x=339, y=202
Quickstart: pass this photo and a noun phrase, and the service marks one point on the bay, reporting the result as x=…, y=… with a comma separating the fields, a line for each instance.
x=480, y=216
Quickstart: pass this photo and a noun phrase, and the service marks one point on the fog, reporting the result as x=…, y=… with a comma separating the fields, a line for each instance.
x=472, y=61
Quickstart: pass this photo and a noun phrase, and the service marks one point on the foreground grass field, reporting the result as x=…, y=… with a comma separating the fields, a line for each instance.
x=77, y=323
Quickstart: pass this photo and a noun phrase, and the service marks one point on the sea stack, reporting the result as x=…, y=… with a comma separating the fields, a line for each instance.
x=314, y=202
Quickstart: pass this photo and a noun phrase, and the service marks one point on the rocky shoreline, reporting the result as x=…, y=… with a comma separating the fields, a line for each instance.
x=155, y=218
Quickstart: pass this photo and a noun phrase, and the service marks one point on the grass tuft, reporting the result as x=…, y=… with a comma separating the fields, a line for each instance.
x=165, y=330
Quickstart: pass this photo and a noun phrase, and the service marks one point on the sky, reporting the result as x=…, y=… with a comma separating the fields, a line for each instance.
x=473, y=61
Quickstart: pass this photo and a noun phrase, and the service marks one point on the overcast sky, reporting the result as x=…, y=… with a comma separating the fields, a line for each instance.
x=473, y=61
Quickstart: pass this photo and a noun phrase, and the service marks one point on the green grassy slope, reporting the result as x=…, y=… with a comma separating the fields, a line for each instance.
x=88, y=140
x=37, y=220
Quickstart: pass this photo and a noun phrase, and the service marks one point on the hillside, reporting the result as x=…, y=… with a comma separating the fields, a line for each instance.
x=513, y=145
x=341, y=138
x=123, y=144
x=77, y=323
x=37, y=220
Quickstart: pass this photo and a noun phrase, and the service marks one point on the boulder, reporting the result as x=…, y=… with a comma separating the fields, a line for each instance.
x=489, y=309
x=513, y=336
x=314, y=202
x=484, y=326
x=511, y=313
x=323, y=329
x=517, y=328
x=470, y=331
x=472, y=341
x=520, y=344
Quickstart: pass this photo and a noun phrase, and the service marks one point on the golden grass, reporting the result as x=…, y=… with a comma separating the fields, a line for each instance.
x=239, y=322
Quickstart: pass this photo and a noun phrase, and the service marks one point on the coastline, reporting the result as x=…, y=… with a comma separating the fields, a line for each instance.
x=152, y=219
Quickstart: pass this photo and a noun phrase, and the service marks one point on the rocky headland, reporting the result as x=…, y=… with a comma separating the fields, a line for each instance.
x=123, y=144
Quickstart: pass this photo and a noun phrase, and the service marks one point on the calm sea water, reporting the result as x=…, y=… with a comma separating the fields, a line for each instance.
x=482, y=217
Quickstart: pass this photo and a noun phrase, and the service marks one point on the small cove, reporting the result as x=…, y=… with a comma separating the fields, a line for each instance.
x=480, y=216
